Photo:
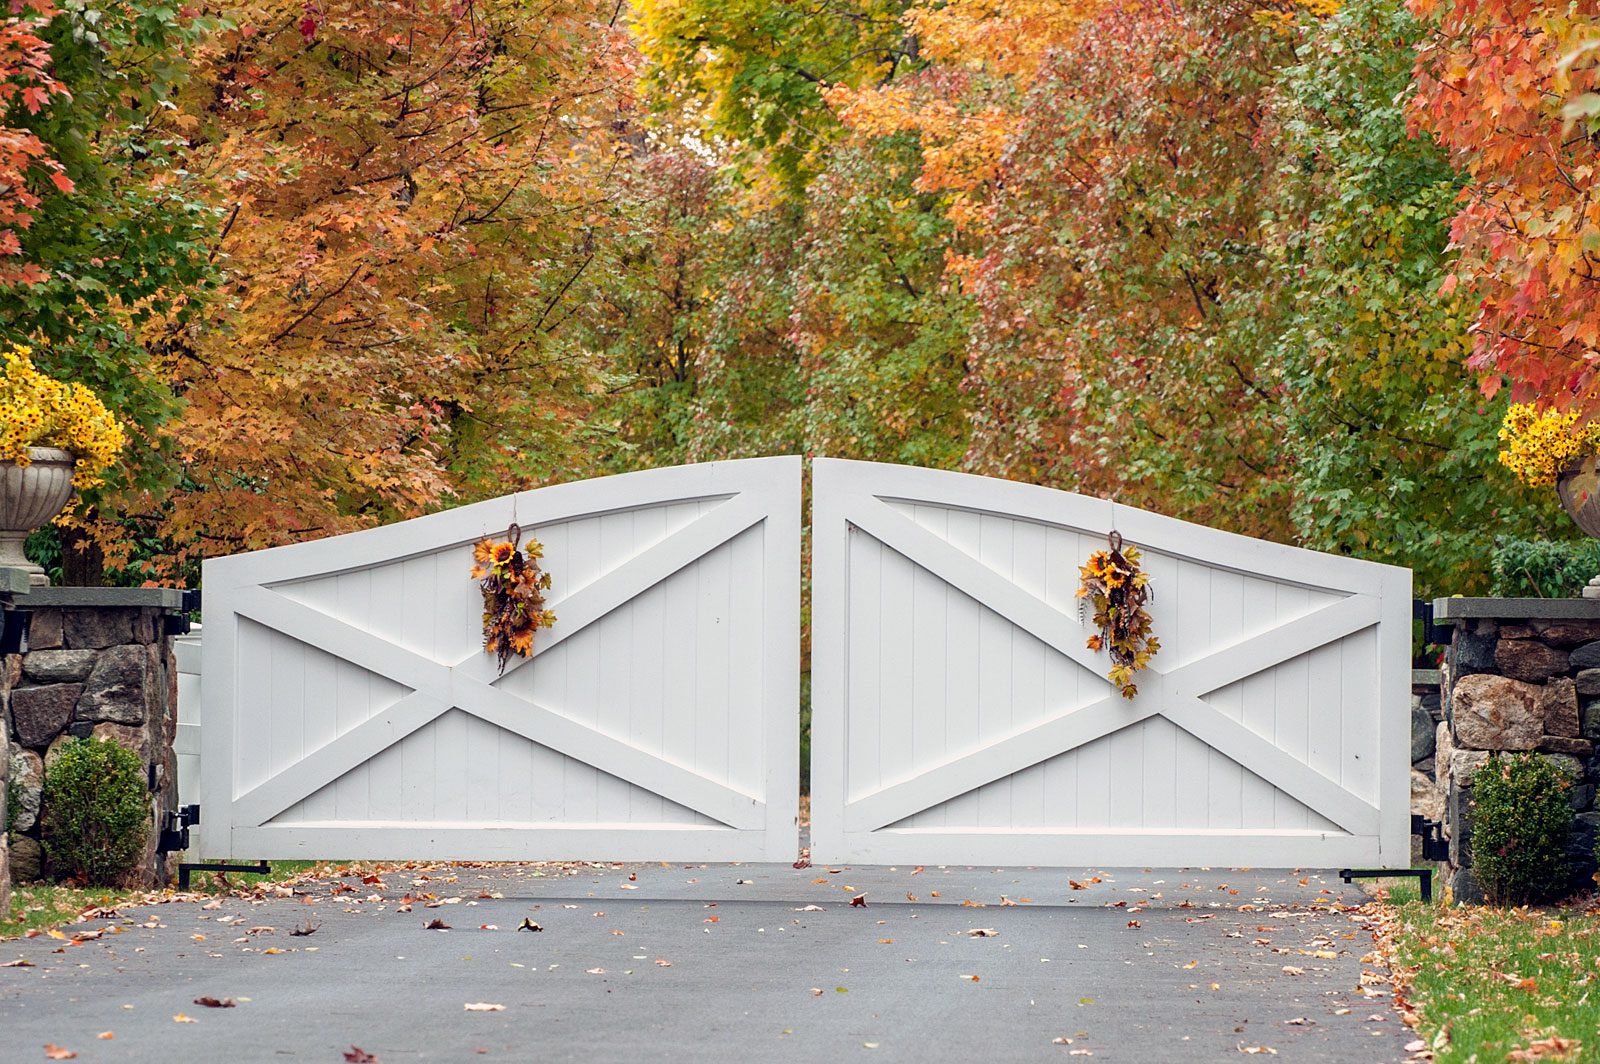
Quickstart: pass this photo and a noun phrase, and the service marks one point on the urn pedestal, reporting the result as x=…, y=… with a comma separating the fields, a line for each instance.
x=30, y=496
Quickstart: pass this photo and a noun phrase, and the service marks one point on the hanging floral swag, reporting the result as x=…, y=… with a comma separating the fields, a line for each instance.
x=1118, y=589
x=513, y=594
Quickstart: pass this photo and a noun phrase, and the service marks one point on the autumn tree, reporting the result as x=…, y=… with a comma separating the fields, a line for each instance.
x=1509, y=88
x=27, y=86
x=1393, y=448
x=411, y=194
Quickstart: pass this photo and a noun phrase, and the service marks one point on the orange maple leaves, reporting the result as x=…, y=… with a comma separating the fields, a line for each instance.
x=25, y=82
x=1508, y=86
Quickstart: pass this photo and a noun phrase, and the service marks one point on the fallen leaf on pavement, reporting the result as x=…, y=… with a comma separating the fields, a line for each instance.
x=307, y=928
x=1258, y=1049
x=529, y=925
x=436, y=924
x=105, y=1036
x=22, y=963
x=482, y=1006
x=816, y=991
x=181, y=1018
x=811, y=909
x=663, y=962
x=1289, y=969
x=55, y=1052
x=1301, y=1021
x=1075, y=885
x=595, y=971
x=214, y=1003
x=1134, y=923
x=858, y=902
x=917, y=871
x=970, y=978
x=982, y=932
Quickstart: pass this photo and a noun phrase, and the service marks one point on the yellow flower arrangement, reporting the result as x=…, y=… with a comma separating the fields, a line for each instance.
x=1539, y=444
x=37, y=411
x=1118, y=588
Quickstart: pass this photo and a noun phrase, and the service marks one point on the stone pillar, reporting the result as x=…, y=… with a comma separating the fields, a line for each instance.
x=1521, y=674
x=1427, y=797
x=100, y=664
x=13, y=585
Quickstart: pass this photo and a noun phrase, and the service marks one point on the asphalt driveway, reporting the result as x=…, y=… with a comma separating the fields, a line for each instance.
x=721, y=963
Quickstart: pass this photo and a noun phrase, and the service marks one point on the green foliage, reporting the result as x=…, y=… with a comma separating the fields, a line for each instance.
x=96, y=812
x=1394, y=448
x=1543, y=568
x=752, y=71
x=1521, y=825
x=126, y=253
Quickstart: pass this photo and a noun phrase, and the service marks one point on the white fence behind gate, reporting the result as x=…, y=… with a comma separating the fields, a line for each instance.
x=191, y=698
x=351, y=712
x=959, y=718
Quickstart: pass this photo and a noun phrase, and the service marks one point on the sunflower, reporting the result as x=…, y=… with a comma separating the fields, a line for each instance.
x=503, y=552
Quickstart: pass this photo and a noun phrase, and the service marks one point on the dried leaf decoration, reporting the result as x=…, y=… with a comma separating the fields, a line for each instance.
x=513, y=594
x=1118, y=589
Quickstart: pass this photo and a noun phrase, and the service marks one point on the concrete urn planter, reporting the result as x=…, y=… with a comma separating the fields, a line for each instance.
x=29, y=497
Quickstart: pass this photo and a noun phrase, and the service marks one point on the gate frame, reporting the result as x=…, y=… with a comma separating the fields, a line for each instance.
x=838, y=837
x=763, y=492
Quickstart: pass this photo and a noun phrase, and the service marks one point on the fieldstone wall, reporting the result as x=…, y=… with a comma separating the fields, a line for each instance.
x=1426, y=713
x=13, y=583
x=98, y=670
x=1521, y=674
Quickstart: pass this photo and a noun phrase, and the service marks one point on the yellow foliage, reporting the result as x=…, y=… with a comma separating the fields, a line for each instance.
x=43, y=412
x=1003, y=42
x=1539, y=444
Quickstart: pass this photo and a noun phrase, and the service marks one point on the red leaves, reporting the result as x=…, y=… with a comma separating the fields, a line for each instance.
x=858, y=902
x=215, y=1003
x=1490, y=82
x=357, y=1055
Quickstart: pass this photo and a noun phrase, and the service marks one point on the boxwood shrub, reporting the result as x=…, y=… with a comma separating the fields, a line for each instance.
x=1521, y=827
x=95, y=813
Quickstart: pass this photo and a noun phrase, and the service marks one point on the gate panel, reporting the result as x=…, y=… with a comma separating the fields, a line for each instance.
x=959, y=718
x=353, y=714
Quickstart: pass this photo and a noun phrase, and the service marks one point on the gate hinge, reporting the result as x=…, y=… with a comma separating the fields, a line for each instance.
x=175, y=832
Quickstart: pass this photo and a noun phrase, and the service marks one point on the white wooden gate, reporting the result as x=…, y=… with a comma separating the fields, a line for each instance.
x=351, y=712
x=959, y=718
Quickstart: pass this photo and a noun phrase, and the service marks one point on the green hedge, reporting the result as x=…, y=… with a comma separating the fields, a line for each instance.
x=1521, y=826
x=1543, y=568
x=95, y=813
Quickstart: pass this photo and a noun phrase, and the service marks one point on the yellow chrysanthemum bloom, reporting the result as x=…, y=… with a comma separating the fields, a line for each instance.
x=1539, y=444
x=42, y=412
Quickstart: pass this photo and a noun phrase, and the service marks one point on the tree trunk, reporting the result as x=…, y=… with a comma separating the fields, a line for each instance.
x=83, y=562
